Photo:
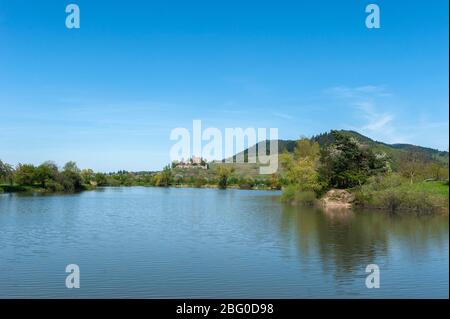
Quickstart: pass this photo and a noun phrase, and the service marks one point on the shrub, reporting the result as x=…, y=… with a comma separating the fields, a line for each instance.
x=305, y=198
x=396, y=193
x=289, y=193
x=246, y=183
x=53, y=186
x=199, y=182
x=223, y=173
x=294, y=195
x=233, y=180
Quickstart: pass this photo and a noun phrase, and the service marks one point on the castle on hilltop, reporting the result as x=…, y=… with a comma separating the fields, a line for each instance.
x=193, y=162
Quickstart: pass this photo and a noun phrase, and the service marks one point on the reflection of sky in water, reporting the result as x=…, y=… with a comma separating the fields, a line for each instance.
x=152, y=242
x=412, y=252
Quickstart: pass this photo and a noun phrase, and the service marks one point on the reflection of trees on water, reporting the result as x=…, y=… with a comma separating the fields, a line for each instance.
x=346, y=241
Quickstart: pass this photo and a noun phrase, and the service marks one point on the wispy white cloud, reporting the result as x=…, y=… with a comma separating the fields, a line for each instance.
x=283, y=115
x=378, y=123
x=359, y=91
x=374, y=120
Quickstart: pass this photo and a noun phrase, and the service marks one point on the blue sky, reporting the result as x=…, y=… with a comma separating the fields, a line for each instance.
x=108, y=94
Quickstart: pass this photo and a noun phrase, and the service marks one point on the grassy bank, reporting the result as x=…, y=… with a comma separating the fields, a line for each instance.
x=15, y=188
x=37, y=189
x=394, y=193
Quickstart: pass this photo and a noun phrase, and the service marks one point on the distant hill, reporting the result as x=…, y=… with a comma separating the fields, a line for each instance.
x=394, y=151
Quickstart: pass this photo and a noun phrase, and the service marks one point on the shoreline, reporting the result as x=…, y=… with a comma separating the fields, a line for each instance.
x=324, y=202
x=40, y=190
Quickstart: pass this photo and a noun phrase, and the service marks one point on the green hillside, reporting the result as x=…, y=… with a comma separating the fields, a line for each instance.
x=395, y=151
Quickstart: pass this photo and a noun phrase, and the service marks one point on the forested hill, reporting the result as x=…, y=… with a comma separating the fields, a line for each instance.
x=395, y=151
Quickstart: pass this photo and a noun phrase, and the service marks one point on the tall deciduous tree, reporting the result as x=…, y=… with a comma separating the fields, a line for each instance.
x=224, y=173
x=6, y=172
x=411, y=164
x=45, y=172
x=300, y=168
x=346, y=163
x=25, y=174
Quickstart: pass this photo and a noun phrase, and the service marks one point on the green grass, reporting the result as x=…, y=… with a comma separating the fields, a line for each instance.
x=398, y=194
x=432, y=188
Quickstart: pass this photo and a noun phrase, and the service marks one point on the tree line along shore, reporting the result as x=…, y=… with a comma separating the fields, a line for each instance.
x=376, y=178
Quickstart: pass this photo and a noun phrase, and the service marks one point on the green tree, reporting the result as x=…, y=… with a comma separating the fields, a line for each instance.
x=164, y=178
x=411, y=165
x=6, y=172
x=346, y=163
x=70, y=177
x=25, y=174
x=87, y=176
x=223, y=173
x=101, y=179
x=71, y=167
x=46, y=172
x=306, y=148
x=300, y=169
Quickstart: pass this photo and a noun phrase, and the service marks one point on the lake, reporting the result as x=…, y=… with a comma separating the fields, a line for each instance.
x=140, y=242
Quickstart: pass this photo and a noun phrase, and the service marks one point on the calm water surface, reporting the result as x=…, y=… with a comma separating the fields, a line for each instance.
x=154, y=242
